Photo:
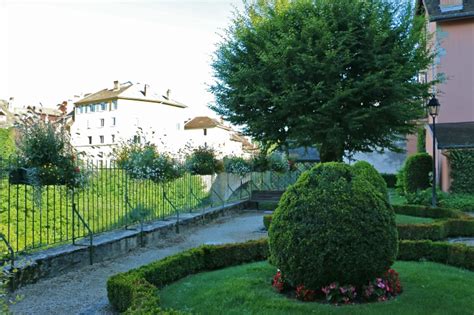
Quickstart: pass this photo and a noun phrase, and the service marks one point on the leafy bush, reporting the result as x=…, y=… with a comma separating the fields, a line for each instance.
x=260, y=162
x=45, y=152
x=278, y=163
x=390, y=179
x=142, y=161
x=416, y=172
x=267, y=220
x=136, y=290
x=370, y=174
x=462, y=168
x=237, y=165
x=462, y=202
x=332, y=225
x=421, y=140
x=202, y=161
x=7, y=143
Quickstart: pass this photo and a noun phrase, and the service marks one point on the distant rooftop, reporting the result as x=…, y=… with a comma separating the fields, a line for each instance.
x=129, y=91
x=202, y=122
x=444, y=10
x=455, y=135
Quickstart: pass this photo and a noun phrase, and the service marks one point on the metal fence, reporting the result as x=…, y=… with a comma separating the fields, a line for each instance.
x=34, y=217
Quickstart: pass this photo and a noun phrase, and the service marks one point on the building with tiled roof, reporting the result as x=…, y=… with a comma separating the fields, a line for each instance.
x=118, y=113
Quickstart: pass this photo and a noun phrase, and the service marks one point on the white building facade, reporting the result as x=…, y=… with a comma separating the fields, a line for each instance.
x=127, y=111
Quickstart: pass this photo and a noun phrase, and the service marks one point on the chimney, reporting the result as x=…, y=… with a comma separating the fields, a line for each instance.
x=168, y=92
x=116, y=85
x=145, y=89
x=10, y=103
x=450, y=5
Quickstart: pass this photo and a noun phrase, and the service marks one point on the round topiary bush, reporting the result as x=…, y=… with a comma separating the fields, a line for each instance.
x=417, y=172
x=369, y=173
x=332, y=226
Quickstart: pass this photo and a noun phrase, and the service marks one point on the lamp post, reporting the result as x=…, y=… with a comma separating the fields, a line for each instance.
x=433, y=110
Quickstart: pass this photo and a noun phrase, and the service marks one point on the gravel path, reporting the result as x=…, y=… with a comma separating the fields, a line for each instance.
x=83, y=291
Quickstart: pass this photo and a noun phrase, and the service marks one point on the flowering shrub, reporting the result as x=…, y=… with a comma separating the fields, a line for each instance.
x=379, y=289
x=45, y=155
x=142, y=161
x=304, y=294
x=237, y=165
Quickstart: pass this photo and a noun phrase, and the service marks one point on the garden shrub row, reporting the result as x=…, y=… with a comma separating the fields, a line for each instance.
x=428, y=212
x=437, y=231
x=458, y=255
x=136, y=291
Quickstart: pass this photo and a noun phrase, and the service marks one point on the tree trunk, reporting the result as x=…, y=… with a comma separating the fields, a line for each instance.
x=331, y=153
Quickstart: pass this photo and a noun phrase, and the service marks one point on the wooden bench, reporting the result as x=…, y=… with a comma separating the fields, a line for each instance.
x=265, y=196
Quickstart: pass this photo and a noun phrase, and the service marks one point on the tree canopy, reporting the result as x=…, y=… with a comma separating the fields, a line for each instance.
x=340, y=75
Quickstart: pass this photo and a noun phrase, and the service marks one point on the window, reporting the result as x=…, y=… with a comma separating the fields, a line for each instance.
x=114, y=121
x=102, y=122
x=205, y=131
x=101, y=139
x=90, y=139
x=113, y=138
x=113, y=105
x=86, y=109
x=103, y=106
x=136, y=139
x=92, y=108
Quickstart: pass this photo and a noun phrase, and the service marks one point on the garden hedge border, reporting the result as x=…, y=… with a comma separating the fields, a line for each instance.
x=135, y=291
x=455, y=223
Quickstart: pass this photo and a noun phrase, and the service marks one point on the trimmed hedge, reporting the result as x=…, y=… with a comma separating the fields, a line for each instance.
x=267, y=220
x=458, y=255
x=390, y=179
x=369, y=173
x=135, y=291
x=333, y=225
x=416, y=172
x=428, y=212
x=462, y=168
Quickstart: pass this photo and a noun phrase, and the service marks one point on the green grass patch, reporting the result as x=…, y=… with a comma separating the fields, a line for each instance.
x=408, y=219
x=395, y=198
x=429, y=288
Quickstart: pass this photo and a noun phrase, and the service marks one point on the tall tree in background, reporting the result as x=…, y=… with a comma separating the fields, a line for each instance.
x=336, y=74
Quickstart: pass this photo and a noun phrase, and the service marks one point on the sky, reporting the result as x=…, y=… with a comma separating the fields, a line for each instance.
x=52, y=50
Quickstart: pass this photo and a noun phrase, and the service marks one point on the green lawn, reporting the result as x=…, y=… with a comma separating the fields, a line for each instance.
x=395, y=198
x=429, y=288
x=408, y=219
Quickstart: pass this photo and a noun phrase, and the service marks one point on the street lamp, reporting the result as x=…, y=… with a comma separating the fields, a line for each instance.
x=433, y=110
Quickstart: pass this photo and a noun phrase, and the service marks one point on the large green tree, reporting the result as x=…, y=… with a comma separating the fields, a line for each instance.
x=336, y=74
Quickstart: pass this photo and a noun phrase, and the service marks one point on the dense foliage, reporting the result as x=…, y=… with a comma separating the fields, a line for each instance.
x=370, y=174
x=142, y=161
x=340, y=75
x=390, y=179
x=332, y=225
x=462, y=170
x=415, y=174
x=237, y=165
x=203, y=161
x=421, y=140
x=45, y=151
